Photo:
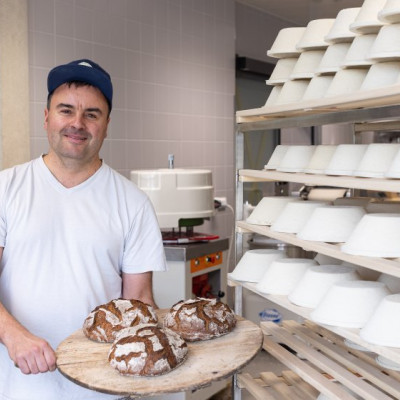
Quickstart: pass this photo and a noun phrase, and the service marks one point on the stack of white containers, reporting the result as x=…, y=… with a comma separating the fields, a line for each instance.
x=329, y=70
x=384, y=52
x=335, y=294
x=375, y=160
x=356, y=52
x=284, y=49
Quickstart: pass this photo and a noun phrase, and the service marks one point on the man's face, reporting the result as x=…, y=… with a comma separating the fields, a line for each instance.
x=76, y=122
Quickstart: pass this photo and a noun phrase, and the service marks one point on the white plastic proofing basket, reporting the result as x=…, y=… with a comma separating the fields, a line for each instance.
x=383, y=326
x=283, y=275
x=349, y=304
x=333, y=224
x=376, y=235
x=268, y=209
x=295, y=215
x=317, y=280
x=254, y=263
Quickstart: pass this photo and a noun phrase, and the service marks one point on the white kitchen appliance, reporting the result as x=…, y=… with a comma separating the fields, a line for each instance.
x=197, y=262
x=177, y=193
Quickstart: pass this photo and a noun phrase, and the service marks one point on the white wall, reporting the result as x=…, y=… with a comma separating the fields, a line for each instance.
x=14, y=93
x=172, y=63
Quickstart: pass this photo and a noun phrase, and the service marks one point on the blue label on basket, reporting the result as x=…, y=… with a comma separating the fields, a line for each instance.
x=270, y=314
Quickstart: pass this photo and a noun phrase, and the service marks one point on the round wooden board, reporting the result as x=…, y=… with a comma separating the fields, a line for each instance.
x=85, y=362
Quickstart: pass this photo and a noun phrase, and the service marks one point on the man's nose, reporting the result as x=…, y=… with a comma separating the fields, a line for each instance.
x=78, y=121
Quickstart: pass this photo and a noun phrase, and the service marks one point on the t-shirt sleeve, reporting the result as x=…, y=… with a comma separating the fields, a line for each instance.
x=143, y=250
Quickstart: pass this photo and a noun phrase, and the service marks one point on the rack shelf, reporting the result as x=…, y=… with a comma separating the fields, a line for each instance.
x=379, y=104
x=384, y=265
x=350, y=334
x=382, y=184
x=322, y=359
x=270, y=386
x=375, y=110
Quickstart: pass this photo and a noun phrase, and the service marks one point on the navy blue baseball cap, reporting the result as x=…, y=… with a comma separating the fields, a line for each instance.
x=83, y=71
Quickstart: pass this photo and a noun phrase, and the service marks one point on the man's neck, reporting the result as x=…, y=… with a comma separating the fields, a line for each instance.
x=73, y=173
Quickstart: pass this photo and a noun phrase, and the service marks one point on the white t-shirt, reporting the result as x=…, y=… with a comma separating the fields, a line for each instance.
x=64, y=251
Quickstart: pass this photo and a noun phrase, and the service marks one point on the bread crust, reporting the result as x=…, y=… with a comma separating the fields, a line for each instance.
x=106, y=320
x=200, y=319
x=147, y=350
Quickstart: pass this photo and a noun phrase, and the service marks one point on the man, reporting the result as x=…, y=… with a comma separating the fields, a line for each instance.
x=73, y=234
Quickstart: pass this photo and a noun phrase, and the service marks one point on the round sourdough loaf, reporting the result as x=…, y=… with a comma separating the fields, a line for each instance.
x=147, y=350
x=106, y=320
x=200, y=319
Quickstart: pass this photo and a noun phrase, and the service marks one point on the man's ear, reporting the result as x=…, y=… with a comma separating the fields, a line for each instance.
x=46, y=115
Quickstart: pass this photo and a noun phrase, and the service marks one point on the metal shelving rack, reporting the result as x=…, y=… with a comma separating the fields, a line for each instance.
x=371, y=117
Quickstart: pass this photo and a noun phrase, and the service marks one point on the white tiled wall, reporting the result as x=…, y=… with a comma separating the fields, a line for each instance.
x=172, y=63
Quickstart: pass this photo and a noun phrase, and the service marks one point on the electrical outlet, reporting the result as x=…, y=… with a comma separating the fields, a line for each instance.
x=222, y=202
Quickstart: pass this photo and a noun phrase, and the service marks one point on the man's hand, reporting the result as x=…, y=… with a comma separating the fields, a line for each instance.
x=30, y=353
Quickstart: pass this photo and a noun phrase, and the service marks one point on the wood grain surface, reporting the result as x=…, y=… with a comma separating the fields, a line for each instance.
x=85, y=362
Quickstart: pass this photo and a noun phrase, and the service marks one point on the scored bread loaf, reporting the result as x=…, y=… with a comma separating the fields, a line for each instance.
x=106, y=320
x=147, y=350
x=200, y=319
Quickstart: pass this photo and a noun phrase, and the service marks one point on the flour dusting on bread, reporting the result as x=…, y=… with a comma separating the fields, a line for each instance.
x=200, y=319
x=106, y=320
x=147, y=350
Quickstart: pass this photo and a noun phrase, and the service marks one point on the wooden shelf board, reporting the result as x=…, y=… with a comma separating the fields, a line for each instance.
x=384, y=265
x=381, y=184
x=362, y=99
x=319, y=352
x=271, y=386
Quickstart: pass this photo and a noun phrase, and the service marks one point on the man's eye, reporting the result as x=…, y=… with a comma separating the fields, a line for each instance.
x=65, y=111
x=91, y=116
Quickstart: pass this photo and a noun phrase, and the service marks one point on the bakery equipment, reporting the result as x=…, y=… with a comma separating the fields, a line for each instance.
x=317, y=87
x=296, y=158
x=292, y=91
x=295, y=215
x=390, y=13
x=376, y=235
x=333, y=58
x=383, y=326
x=283, y=275
x=367, y=19
x=177, y=193
x=182, y=199
x=357, y=56
x=197, y=262
x=285, y=44
x=314, y=35
x=386, y=46
x=346, y=81
x=340, y=31
x=317, y=280
x=331, y=224
x=254, y=263
x=306, y=64
x=194, y=269
x=282, y=71
x=269, y=208
x=349, y=303
x=320, y=159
